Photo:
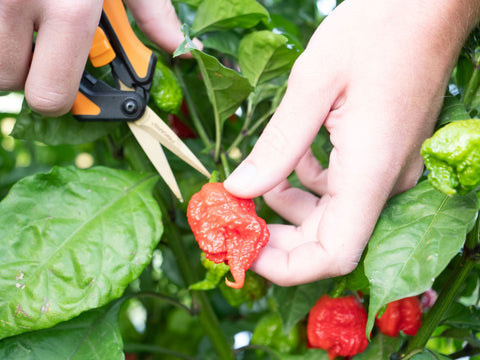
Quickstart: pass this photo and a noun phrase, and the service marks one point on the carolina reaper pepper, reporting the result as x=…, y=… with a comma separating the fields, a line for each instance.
x=338, y=326
x=452, y=155
x=227, y=229
x=401, y=315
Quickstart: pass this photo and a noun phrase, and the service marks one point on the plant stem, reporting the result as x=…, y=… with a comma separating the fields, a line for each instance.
x=225, y=167
x=446, y=296
x=434, y=316
x=472, y=87
x=247, y=132
x=172, y=237
x=206, y=315
x=193, y=112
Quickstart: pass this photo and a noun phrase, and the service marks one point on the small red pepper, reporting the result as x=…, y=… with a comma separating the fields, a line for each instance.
x=401, y=315
x=227, y=229
x=338, y=326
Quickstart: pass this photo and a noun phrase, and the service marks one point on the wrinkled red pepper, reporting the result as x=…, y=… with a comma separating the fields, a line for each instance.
x=338, y=326
x=402, y=315
x=227, y=229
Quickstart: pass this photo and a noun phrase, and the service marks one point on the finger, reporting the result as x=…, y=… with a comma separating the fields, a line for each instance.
x=333, y=237
x=64, y=37
x=159, y=21
x=309, y=97
x=359, y=186
x=291, y=258
x=16, y=33
x=291, y=203
x=278, y=240
x=311, y=174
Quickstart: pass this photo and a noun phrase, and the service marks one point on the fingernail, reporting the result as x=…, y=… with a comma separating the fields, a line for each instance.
x=242, y=177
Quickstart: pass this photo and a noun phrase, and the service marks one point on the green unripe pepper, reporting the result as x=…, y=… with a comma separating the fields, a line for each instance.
x=269, y=332
x=254, y=288
x=165, y=91
x=452, y=155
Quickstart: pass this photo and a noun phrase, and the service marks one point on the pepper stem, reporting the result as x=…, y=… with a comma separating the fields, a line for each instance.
x=446, y=296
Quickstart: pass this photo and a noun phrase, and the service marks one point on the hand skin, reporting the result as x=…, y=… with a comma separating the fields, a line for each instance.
x=65, y=30
x=374, y=74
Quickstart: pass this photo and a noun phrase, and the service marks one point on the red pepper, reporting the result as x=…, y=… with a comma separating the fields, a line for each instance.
x=227, y=229
x=179, y=126
x=401, y=315
x=338, y=326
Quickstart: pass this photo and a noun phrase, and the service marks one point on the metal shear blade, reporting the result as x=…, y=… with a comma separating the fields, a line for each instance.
x=151, y=132
x=157, y=157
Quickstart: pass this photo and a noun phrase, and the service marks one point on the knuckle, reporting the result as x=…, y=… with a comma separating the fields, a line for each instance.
x=344, y=263
x=346, y=267
x=275, y=140
x=75, y=13
x=48, y=102
x=11, y=82
x=9, y=6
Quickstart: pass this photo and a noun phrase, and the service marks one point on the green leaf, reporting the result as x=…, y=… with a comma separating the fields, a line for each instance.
x=72, y=240
x=226, y=42
x=63, y=130
x=310, y=354
x=452, y=110
x=226, y=88
x=429, y=355
x=273, y=56
x=94, y=335
x=228, y=14
x=416, y=236
x=296, y=301
x=462, y=317
x=380, y=348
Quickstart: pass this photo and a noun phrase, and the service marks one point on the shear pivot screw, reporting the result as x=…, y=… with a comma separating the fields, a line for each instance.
x=130, y=106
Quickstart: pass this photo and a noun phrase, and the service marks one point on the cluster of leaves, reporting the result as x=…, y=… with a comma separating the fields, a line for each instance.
x=98, y=263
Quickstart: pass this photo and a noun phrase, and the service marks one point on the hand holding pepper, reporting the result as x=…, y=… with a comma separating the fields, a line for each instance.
x=375, y=77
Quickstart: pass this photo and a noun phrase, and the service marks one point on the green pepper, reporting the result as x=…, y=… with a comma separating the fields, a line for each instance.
x=165, y=90
x=215, y=273
x=269, y=332
x=452, y=155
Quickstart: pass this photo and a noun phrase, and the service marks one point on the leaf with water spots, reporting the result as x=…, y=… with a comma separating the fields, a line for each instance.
x=72, y=240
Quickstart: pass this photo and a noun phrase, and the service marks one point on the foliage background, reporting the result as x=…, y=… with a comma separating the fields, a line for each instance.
x=140, y=305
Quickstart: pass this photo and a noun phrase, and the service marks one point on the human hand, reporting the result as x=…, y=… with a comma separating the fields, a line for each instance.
x=374, y=74
x=65, y=29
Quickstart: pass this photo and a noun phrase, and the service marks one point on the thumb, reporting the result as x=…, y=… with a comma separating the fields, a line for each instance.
x=289, y=133
x=158, y=20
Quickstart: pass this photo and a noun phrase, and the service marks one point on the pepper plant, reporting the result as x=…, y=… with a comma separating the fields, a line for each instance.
x=97, y=260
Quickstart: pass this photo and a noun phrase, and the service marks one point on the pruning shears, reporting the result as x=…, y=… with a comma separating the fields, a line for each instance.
x=133, y=66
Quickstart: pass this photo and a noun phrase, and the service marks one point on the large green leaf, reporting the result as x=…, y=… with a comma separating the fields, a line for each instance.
x=94, y=335
x=228, y=14
x=72, y=240
x=273, y=56
x=417, y=235
x=296, y=301
x=226, y=88
x=58, y=130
